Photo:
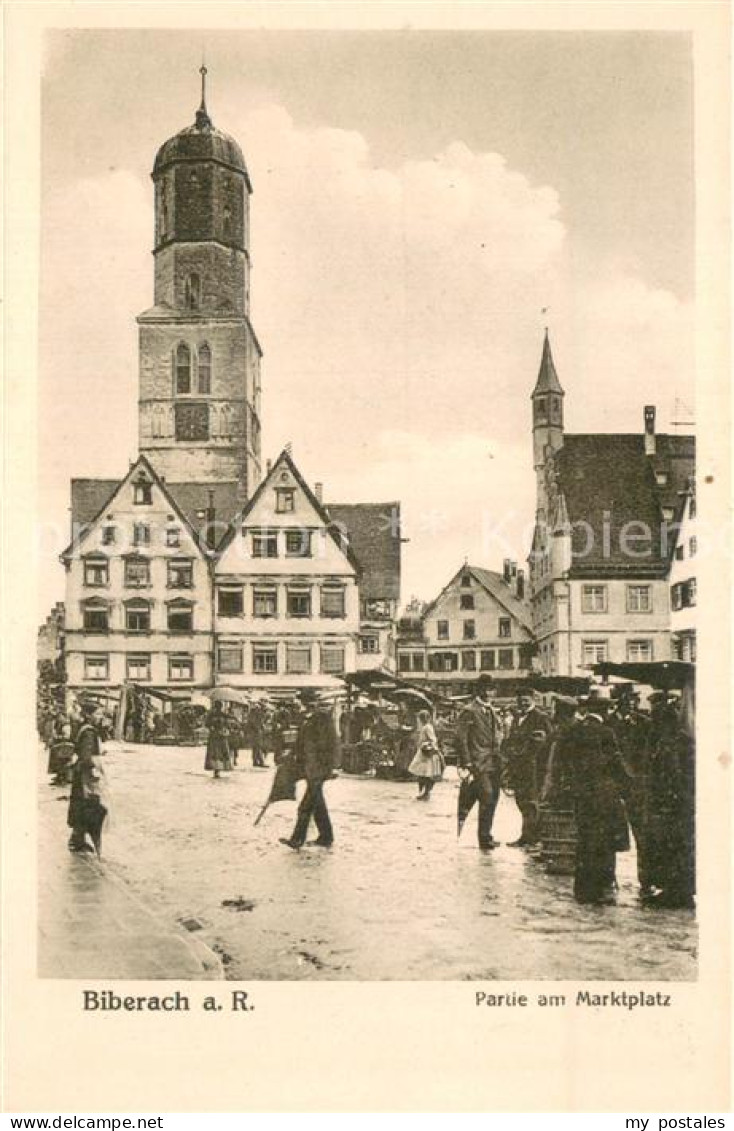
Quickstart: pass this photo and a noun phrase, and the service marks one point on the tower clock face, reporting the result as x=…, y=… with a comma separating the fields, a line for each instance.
x=192, y=422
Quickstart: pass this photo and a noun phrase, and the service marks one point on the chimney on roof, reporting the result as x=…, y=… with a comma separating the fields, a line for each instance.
x=649, y=430
x=520, y=585
x=211, y=517
x=507, y=571
x=318, y=490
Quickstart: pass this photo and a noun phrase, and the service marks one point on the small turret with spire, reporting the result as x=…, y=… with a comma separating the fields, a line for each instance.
x=547, y=398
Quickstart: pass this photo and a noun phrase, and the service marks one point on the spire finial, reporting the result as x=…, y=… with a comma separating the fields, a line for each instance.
x=203, y=121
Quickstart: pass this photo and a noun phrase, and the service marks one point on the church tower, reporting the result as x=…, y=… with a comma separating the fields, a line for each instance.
x=547, y=399
x=199, y=390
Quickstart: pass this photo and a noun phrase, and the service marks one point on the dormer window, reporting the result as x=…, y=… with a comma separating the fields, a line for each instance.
x=182, y=367
x=192, y=291
x=285, y=500
x=142, y=492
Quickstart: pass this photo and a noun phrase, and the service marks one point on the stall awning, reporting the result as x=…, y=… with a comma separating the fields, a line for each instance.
x=666, y=675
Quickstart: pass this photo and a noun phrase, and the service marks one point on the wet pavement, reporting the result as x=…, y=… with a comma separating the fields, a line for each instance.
x=396, y=898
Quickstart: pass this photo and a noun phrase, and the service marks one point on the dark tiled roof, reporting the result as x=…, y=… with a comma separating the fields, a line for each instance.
x=608, y=481
x=374, y=535
x=89, y=496
x=495, y=585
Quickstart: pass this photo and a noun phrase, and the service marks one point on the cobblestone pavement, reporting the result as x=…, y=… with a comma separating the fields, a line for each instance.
x=396, y=898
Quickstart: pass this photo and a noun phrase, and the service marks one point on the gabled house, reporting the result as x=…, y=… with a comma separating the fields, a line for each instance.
x=138, y=606
x=286, y=590
x=683, y=580
x=480, y=622
x=606, y=518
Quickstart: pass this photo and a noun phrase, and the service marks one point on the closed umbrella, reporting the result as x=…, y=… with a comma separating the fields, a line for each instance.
x=468, y=796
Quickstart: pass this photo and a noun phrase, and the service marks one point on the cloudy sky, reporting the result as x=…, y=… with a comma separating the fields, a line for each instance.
x=419, y=198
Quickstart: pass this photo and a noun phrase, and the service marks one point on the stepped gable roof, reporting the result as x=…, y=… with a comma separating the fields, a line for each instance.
x=608, y=482
x=374, y=535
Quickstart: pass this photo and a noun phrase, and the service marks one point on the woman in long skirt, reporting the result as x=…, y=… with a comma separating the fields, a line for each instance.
x=218, y=756
x=427, y=765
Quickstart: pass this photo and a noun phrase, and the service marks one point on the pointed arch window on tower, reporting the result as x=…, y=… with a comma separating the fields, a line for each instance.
x=542, y=409
x=183, y=368
x=192, y=291
x=205, y=369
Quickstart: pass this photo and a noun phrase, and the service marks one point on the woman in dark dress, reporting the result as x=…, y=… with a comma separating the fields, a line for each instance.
x=670, y=812
x=218, y=755
x=88, y=801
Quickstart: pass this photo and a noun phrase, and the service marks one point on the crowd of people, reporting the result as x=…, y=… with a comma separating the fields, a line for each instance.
x=621, y=773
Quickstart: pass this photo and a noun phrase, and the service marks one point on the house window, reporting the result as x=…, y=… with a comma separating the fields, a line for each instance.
x=192, y=291
x=593, y=652
x=205, y=370
x=470, y=630
x=443, y=662
x=639, y=599
x=505, y=628
x=137, y=616
x=332, y=659
x=142, y=492
x=419, y=662
x=230, y=601
x=264, y=659
x=298, y=602
x=639, y=651
x=442, y=629
x=96, y=665
x=298, y=659
x=676, y=597
x=689, y=593
x=692, y=508
x=487, y=660
x=333, y=602
x=376, y=608
x=404, y=662
x=180, y=573
x=679, y=553
x=369, y=645
x=141, y=534
x=264, y=545
x=173, y=537
x=138, y=668
x=466, y=600
x=137, y=573
x=108, y=535
x=506, y=657
x=469, y=661
x=692, y=547
x=285, y=500
x=183, y=369
x=230, y=658
x=466, y=579
x=180, y=616
x=298, y=544
x=265, y=602
x=96, y=616
x=96, y=571
x=180, y=668
x=191, y=422
x=594, y=599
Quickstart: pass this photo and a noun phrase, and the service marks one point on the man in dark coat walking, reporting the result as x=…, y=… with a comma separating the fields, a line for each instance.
x=526, y=756
x=632, y=732
x=87, y=808
x=315, y=754
x=478, y=742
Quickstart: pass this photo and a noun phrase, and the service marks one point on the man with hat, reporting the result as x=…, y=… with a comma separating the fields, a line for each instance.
x=88, y=804
x=526, y=750
x=632, y=733
x=479, y=738
x=315, y=755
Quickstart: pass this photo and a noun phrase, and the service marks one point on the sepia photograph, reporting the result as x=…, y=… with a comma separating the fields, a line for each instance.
x=367, y=483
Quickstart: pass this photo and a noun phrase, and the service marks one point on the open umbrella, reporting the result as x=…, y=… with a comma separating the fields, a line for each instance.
x=229, y=695
x=410, y=695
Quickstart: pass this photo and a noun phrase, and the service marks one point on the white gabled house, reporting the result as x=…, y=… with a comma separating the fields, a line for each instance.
x=138, y=593
x=286, y=603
